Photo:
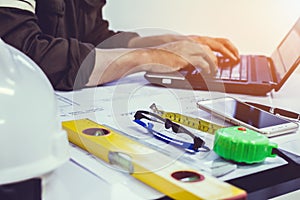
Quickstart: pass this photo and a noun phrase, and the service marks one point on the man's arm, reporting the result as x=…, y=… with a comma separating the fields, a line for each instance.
x=112, y=64
x=59, y=58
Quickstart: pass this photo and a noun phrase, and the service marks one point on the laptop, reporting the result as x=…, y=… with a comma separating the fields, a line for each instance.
x=253, y=74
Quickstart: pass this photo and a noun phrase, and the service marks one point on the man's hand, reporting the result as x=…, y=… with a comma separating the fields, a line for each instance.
x=221, y=45
x=185, y=53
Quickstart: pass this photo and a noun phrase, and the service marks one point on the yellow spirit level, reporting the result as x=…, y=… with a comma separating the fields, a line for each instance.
x=172, y=178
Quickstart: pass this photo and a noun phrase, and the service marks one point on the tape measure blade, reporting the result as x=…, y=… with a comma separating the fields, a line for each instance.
x=192, y=122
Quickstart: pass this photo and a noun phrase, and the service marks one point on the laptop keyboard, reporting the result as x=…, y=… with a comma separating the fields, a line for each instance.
x=237, y=72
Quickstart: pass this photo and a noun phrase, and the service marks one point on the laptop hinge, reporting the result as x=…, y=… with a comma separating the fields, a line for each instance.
x=273, y=72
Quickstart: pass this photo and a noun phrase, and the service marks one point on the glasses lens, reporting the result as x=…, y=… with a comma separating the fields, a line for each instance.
x=149, y=120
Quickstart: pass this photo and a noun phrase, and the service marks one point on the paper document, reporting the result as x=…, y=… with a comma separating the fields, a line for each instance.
x=115, y=106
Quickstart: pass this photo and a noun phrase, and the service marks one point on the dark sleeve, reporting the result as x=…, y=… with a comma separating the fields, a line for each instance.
x=67, y=63
x=91, y=23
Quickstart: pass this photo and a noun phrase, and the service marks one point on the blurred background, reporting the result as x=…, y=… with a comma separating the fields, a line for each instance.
x=254, y=26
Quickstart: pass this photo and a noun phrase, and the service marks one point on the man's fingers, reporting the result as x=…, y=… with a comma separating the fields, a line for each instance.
x=221, y=45
x=204, y=63
x=229, y=47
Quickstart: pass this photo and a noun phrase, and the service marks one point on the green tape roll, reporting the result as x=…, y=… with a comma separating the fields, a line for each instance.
x=243, y=145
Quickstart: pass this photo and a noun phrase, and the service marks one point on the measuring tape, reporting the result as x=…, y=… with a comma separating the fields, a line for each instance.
x=175, y=179
x=196, y=123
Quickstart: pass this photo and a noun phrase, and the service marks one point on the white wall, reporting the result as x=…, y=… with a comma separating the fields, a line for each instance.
x=254, y=26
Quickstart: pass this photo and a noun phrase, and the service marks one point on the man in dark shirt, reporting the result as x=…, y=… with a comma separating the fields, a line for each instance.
x=61, y=36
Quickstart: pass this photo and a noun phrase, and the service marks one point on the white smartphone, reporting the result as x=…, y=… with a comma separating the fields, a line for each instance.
x=240, y=113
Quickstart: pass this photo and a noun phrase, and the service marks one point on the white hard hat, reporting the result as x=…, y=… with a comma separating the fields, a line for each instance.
x=32, y=142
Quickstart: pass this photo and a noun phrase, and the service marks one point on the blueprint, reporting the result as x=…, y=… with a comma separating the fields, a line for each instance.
x=114, y=106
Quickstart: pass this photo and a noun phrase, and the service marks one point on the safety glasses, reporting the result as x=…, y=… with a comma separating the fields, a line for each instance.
x=157, y=125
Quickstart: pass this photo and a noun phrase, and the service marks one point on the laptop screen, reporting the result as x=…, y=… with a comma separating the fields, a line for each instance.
x=286, y=57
